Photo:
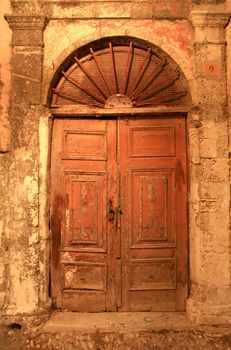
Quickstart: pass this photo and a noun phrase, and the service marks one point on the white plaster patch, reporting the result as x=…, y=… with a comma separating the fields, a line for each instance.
x=31, y=187
x=43, y=173
x=33, y=238
x=1, y=270
x=2, y=299
x=23, y=291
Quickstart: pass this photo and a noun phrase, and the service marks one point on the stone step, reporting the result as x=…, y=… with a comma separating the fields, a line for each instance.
x=112, y=331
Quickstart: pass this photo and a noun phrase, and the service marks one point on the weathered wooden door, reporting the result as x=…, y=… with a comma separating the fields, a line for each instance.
x=153, y=224
x=118, y=214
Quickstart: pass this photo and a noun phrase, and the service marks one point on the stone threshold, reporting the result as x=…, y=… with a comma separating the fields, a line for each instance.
x=120, y=321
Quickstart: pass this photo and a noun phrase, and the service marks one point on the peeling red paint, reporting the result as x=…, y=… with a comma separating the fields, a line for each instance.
x=180, y=35
x=175, y=9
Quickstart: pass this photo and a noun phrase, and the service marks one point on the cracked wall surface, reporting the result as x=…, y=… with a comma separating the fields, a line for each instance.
x=38, y=37
x=4, y=149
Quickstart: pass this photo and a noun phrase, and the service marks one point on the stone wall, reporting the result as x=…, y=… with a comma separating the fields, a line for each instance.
x=210, y=288
x=21, y=238
x=44, y=33
x=4, y=145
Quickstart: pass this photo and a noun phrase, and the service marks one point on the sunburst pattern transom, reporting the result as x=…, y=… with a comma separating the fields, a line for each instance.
x=119, y=76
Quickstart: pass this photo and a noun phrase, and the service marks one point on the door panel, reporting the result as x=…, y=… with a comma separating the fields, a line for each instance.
x=150, y=141
x=85, y=209
x=152, y=196
x=83, y=178
x=118, y=214
x=153, y=201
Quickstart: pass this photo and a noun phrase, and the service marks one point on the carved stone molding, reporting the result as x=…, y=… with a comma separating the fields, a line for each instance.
x=210, y=19
x=27, y=30
x=209, y=26
x=26, y=22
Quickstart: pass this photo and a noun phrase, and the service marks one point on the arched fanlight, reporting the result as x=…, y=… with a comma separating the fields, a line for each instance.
x=120, y=76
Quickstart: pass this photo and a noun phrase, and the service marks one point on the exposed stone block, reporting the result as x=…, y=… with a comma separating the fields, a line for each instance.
x=211, y=191
x=208, y=148
x=27, y=38
x=214, y=171
x=146, y=10
x=25, y=121
x=112, y=10
x=5, y=134
x=26, y=90
x=170, y=8
x=105, y=9
x=210, y=61
x=212, y=96
x=212, y=2
x=27, y=65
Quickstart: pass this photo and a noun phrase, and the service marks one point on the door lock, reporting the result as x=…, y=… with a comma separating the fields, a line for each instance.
x=113, y=212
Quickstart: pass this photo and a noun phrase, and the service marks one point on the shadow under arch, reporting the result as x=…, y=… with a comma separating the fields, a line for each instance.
x=178, y=80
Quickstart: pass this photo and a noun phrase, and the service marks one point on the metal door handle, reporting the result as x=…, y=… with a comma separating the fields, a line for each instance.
x=111, y=212
x=119, y=211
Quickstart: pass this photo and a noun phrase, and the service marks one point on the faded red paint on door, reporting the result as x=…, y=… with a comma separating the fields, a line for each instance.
x=118, y=214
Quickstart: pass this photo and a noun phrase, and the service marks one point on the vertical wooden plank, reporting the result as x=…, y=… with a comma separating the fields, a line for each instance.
x=125, y=207
x=118, y=284
x=182, y=226
x=112, y=202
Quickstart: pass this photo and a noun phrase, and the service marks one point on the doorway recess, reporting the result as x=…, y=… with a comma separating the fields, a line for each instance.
x=119, y=179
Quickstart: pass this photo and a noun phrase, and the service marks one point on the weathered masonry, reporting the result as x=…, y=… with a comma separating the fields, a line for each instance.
x=115, y=158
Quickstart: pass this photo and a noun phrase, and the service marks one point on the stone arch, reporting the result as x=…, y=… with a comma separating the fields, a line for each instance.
x=119, y=71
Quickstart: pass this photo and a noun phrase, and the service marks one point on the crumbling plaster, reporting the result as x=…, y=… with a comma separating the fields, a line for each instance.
x=195, y=46
x=4, y=142
x=172, y=37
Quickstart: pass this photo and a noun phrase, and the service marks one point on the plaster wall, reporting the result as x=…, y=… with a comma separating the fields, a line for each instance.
x=5, y=54
x=229, y=77
x=38, y=49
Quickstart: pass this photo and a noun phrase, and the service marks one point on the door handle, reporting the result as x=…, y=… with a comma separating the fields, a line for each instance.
x=111, y=212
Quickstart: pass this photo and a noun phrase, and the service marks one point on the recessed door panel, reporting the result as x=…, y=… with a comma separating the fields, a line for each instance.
x=151, y=274
x=151, y=141
x=153, y=198
x=85, y=224
x=79, y=144
x=84, y=276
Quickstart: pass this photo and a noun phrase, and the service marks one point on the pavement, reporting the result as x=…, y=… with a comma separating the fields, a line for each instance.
x=112, y=331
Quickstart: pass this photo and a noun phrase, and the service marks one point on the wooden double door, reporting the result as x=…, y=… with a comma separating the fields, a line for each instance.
x=118, y=214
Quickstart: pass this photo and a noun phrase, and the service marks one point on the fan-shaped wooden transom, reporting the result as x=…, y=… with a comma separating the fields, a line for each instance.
x=120, y=76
